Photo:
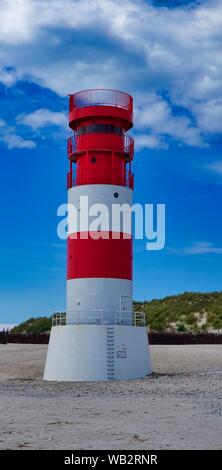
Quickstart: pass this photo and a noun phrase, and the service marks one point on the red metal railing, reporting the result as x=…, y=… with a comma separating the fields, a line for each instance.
x=127, y=146
x=71, y=145
x=73, y=176
x=101, y=97
x=129, y=179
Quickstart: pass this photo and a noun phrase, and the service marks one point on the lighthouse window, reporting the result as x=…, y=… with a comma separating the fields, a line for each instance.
x=93, y=160
x=100, y=129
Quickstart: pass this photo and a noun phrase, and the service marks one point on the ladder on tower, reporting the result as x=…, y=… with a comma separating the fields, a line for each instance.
x=110, y=354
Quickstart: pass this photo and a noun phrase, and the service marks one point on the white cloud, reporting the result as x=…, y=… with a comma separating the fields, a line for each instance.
x=152, y=111
x=8, y=76
x=36, y=120
x=67, y=45
x=12, y=140
x=200, y=248
x=7, y=326
x=149, y=141
x=42, y=118
x=209, y=115
x=215, y=167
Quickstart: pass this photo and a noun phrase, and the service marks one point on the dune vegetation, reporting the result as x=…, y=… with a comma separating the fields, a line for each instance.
x=190, y=311
x=187, y=312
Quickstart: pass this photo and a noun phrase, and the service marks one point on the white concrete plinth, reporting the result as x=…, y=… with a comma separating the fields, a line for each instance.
x=97, y=352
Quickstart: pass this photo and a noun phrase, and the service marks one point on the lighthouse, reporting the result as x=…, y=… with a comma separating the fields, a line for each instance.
x=100, y=337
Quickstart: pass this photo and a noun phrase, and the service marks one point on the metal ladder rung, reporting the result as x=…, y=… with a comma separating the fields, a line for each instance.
x=110, y=353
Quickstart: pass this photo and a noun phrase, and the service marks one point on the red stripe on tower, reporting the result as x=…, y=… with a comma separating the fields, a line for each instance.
x=105, y=257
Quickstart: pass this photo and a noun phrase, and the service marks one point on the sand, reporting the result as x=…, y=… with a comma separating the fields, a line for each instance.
x=179, y=407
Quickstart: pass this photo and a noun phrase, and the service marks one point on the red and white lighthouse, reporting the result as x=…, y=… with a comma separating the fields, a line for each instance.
x=101, y=337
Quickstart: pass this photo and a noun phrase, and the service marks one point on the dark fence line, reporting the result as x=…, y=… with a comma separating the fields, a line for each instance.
x=30, y=338
x=154, y=338
x=158, y=337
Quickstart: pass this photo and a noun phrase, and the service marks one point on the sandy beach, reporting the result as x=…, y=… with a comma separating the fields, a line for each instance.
x=178, y=407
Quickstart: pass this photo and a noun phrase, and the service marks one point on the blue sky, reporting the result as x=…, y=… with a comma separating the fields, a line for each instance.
x=168, y=56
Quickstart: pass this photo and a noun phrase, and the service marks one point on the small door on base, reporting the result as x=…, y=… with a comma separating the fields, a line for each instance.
x=126, y=307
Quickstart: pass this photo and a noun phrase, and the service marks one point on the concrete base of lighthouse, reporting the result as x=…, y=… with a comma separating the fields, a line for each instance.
x=97, y=352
